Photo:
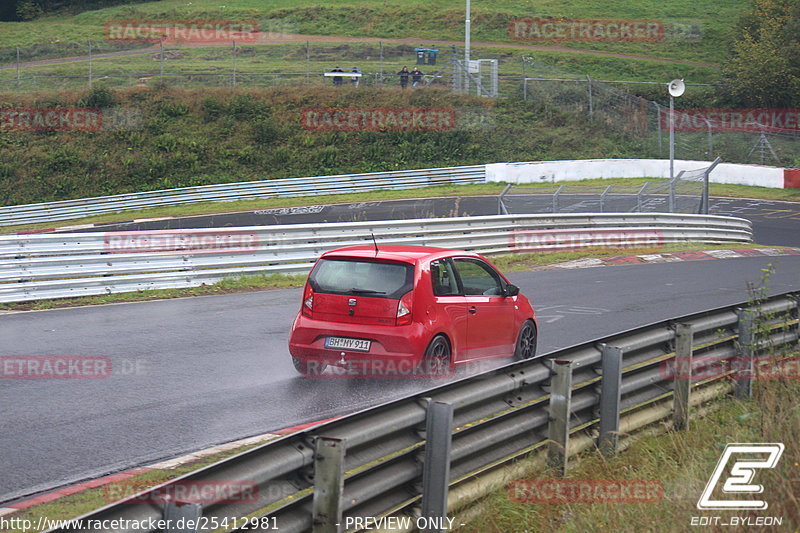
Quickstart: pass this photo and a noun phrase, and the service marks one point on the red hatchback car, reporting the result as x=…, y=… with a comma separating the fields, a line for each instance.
x=402, y=308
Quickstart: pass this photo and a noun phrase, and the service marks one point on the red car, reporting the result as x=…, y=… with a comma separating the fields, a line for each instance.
x=402, y=308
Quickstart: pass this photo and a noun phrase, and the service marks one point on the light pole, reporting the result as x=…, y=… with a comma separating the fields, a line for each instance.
x=675, y=88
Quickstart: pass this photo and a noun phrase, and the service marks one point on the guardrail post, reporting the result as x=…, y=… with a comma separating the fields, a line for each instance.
x=558, y=426
x=436, y=468
x=328, y=485
x=180, y=517
x=610, y=385
x=744, y=374
x=684, y=341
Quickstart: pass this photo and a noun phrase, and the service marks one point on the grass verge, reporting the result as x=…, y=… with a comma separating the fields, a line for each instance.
x=682, y=462
x=505, y=262
x=214, y=208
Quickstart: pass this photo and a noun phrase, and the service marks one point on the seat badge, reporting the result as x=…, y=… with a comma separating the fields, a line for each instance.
x=351, y=302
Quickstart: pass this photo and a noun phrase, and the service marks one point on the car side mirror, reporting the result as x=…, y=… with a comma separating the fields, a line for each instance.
x=512, y=290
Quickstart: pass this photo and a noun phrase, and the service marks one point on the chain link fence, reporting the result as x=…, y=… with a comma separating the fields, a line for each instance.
x=686, y=193
x=604, y=104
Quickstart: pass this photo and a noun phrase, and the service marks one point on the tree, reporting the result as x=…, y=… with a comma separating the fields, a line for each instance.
x=764, y=68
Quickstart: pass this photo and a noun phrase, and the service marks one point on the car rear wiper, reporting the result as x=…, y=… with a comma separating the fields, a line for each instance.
x=366, y=291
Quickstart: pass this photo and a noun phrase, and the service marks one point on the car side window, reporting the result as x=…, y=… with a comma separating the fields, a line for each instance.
x=443, y=278
x=478, y=278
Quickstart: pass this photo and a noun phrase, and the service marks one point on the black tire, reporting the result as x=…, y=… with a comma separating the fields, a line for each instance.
x=526, y=341
x=309, y=368
x=438, y=357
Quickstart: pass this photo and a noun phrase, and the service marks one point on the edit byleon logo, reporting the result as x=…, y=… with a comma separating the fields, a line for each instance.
x=747, y=459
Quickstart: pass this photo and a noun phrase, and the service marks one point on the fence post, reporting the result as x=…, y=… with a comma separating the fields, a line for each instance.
x=233, y=78
x=501, y=206
x=658, y=126
x=436, y=468
x=18, y=68
x=684, y=341
x=161, y=60
x=524, y=87
x=182, y=514
x=591, y=103
x=555, y=198
x=610, y=388
x=308, y=61
x=744, y=367
x=328, y=485
x=639, y=197
x=558, y=425
x=603, y=198
x=90, y=64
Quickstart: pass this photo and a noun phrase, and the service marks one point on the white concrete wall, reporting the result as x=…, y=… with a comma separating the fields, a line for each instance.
x=552, y=171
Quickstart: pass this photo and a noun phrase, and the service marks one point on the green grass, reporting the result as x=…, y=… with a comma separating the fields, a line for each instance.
x=434, y=19
x=682, y=462
x=505, y=262
x=127, y=71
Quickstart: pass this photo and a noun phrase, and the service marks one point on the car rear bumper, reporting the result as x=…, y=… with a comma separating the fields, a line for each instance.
x=391, y=346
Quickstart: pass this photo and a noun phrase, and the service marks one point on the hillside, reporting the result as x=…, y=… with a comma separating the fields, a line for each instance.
x=698, y=30
x=195, y=137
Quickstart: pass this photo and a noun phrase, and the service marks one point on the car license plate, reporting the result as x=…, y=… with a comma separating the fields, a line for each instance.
x=344, y=343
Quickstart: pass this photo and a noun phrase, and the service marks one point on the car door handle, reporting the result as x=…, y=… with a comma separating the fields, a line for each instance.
x=473, y=310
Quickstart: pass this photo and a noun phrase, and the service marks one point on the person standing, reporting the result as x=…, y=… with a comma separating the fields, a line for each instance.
x=416, y=77
x=337, y=80
x=404, y=73
x=355, y=79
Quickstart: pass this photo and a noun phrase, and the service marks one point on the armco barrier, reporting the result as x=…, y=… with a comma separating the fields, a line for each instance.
x=528, y=172
x=226, y=192
x=60, y=265
x=422, y=456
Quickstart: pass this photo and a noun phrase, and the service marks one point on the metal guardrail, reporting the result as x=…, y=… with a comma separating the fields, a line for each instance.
x=382, y=461
x=60, y=265
x=226, y=192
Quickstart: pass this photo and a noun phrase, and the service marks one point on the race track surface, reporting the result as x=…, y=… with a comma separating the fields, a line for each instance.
x=194, y=372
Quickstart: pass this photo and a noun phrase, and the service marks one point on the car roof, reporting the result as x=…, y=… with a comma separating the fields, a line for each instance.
x=402, y=253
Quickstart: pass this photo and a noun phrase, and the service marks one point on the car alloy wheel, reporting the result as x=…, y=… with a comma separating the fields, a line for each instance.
x=437, y=357
x=526, y=342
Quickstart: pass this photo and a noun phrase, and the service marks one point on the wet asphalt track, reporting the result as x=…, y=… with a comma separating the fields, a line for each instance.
x=191, y=373
x=774, y=222
x=195, y=372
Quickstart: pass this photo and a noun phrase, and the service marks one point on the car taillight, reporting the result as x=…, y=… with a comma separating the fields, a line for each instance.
x=308, y=301
x=404, y=309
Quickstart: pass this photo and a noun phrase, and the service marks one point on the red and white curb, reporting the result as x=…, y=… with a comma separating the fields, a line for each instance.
x=163, y=465
x=677, y=256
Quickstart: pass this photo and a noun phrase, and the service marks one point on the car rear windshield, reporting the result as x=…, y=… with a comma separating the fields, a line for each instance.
x=362, y=278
